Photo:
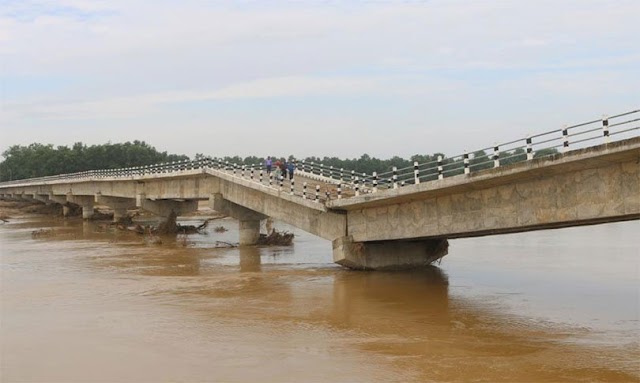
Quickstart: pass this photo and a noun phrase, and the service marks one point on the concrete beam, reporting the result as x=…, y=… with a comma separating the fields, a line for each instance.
x=44, y=198
x=223, y=206
x=608, y=193
x=389, y=255
x=163, y=208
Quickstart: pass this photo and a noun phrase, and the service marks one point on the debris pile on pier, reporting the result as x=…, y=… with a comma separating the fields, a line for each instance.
x=276, y=238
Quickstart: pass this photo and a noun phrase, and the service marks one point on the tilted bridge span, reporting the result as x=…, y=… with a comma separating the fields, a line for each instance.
x=397, y=219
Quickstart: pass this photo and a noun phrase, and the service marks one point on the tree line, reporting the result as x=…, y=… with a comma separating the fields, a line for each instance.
x=37, y=160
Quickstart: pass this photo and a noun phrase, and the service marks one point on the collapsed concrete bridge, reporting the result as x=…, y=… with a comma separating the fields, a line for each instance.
x=372, y=226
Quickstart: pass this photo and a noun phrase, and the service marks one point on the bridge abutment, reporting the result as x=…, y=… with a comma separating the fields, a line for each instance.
x=388, y=255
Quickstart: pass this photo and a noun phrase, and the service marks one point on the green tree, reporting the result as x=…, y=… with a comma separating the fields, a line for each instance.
x=36, y=160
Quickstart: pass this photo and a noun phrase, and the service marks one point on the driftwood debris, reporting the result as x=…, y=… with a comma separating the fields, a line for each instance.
x=276, y=238
x=167, y=227
x=99, y=215
x=42, y=233
x=225, y=244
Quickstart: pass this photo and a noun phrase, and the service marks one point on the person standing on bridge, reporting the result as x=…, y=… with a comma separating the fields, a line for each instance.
x=277, y=171
x=283, y=168
x=267, y=164
x=291, y=167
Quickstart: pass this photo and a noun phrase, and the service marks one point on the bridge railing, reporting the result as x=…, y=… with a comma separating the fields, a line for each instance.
x=333, y=183
x=597, y=131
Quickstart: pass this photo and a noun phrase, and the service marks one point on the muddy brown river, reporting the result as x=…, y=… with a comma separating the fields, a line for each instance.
x=91, y=304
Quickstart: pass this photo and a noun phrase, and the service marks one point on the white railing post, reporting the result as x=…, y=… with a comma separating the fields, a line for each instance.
x=529, y=148
x=605, y=128
x=375, y=182
x=466, y=162
x=395, y=177
x=416, y=173
x=440, y=175
x=565, y=139
x=496, y=156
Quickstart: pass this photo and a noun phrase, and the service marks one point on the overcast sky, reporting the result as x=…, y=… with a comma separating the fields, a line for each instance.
x=311, y=77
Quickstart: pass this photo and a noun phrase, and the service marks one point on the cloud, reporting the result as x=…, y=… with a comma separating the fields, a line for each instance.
x=290, y=87
x=368, y=65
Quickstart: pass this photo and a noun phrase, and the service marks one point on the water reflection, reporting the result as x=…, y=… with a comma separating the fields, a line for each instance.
x=386, y=297
x=249, y=259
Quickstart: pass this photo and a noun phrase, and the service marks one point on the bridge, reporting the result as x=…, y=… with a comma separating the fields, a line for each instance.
x=581, y=174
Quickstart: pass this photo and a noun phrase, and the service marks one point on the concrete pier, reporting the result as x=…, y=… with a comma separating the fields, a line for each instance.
x=86, y=202
x=119, y=205
x=248, y=220
x=389, y=255
x=249, y=232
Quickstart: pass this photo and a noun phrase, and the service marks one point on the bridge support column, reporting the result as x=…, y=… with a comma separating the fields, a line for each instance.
x=249, y=220
x=388, y=255
x=85, y=201
x=164, y=207
x=62, y=200
x=249, y=232
x=119, y=205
